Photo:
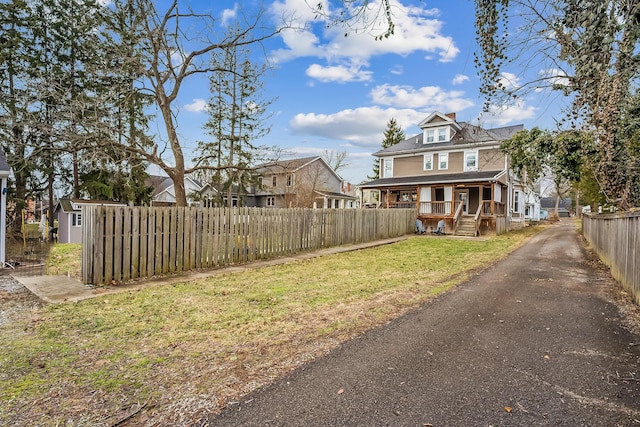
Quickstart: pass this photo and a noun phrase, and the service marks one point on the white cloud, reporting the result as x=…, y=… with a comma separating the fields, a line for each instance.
x=398, y=70
x=362, y=127
x=510, y=81
x=426, y=98
x=416, y=30
x=459, y=79
x=555, y=77
x=340, y=73
x=198, y=105
x=515, y=113
x=229, y=14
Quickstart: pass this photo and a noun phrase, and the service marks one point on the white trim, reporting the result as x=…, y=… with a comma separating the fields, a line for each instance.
x=424, y=161
x=435, y=133
x=440, y=155
x=465, y=167
x=387, y=168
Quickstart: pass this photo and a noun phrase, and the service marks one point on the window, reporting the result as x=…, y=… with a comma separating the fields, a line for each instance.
x=273, y=181
x=260, y=181
x=471, y=161
x=76, y=220
x=430, y=135
x=289, y=180
x=388, y=168
x=428, y=162
x=271, y=201
x=436, y=135
x=443, y=161
x=516, y=201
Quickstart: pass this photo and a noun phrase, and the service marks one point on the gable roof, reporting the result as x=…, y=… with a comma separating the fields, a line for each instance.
x=438, y=119
x=75, y=205
x=468, y=135
x=161, y=184
x=292, y=166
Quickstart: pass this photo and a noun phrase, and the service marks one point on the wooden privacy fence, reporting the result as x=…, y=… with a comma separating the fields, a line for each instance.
x=126, y=243
x=616, y=239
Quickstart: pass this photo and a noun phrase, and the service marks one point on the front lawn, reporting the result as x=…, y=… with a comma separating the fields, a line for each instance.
x=176, y=354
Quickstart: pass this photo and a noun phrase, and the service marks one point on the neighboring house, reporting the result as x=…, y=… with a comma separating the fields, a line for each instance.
x=564, y=206
x=69, y=214
x=532, y=206
x=453, y=171
x=304, y=182
x=163, y=190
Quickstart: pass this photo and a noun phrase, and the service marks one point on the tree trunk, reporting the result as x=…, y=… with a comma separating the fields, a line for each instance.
x=177, y=172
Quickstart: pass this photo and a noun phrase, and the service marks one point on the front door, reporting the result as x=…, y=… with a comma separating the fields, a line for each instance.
x=462, y=196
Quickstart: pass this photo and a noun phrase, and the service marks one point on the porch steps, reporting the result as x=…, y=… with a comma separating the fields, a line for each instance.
x=466, y=227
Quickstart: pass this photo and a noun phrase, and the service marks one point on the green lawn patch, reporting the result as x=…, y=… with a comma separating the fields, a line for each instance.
x=189, y=348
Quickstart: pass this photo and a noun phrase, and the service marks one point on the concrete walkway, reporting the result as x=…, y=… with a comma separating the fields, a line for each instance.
x=61, y=289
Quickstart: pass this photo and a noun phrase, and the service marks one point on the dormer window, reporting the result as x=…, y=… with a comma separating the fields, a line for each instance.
x=430, y=135
x=440, y=134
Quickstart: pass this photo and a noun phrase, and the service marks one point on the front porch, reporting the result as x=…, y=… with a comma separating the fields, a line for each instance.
x=470, y=210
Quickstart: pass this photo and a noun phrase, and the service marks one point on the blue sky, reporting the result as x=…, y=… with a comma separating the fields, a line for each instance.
x=338, y=93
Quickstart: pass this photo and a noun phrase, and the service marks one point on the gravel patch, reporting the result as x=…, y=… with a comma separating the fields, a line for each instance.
x=16, y=301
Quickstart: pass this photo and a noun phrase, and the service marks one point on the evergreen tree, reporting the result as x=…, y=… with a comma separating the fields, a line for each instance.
x=236, y=118
x=392, y=135
x=14, y=103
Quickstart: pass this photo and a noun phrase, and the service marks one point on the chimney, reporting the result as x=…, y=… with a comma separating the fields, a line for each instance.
x=452, y=116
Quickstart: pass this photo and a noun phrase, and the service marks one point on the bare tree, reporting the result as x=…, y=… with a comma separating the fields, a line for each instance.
x=169, y=54
x=337, y=160
x=586, y=50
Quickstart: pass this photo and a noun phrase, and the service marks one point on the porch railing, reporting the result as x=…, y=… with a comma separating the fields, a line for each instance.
x=401, y=205
x=476, y=219
x=437, y=208
x=456, y=217
x=490, y=207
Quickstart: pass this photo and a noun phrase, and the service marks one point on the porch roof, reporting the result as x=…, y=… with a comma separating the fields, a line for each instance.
x=333, y=195
x=450, y=178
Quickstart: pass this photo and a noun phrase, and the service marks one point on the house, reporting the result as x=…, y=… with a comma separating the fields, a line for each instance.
x=452, y=171
x=532, y=206
x=564, y=206
x=69, y=214
x=163, y=190
x=302, y=182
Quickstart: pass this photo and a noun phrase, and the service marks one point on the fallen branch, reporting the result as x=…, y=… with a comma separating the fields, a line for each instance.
x=128, y=415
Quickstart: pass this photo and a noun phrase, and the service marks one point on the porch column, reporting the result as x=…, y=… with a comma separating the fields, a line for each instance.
x=448, y=197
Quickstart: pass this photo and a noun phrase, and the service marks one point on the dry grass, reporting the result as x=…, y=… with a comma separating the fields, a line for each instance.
x=65, y=259
x=177, y=354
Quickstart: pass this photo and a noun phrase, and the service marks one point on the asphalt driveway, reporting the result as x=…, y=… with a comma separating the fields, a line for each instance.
x=542, y=338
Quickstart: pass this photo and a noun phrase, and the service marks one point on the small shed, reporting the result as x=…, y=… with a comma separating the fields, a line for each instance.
x=5, y=171
x=69, y=214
